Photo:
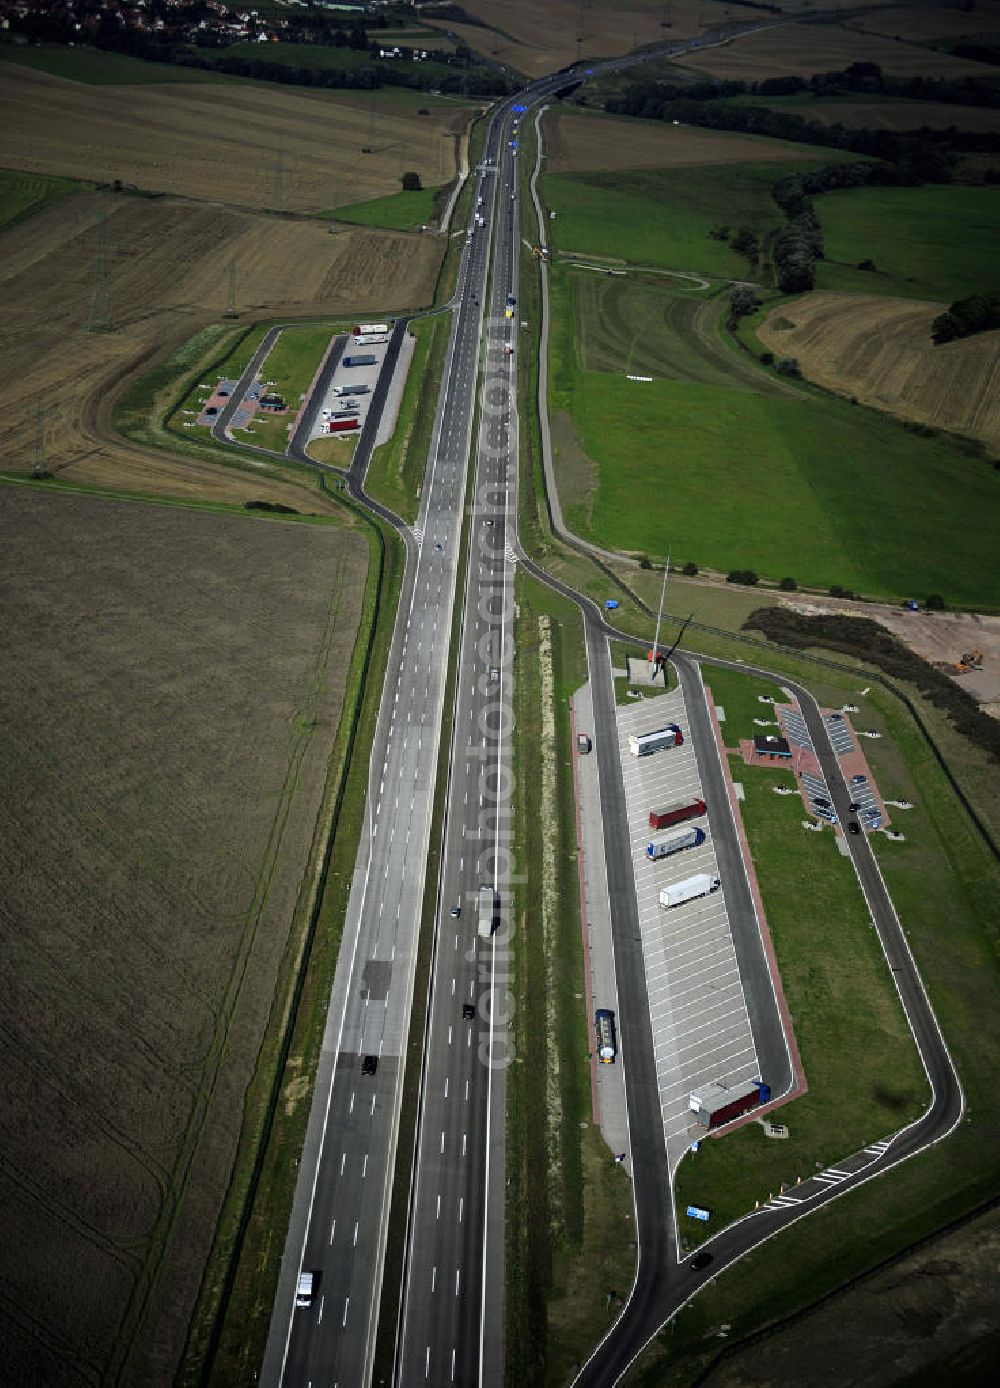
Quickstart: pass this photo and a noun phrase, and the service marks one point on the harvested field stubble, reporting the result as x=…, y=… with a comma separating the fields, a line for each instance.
x=220, y=142
x=536, y=39
x=166, y=274
x=800, y=49
x=171, y=692
x=575, y=143
x=880, y=351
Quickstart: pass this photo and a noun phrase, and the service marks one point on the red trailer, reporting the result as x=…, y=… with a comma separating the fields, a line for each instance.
x=339, y=426
x=675, y=814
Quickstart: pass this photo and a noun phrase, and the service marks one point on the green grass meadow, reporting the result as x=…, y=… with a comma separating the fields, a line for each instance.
x=400, y=211
x=24, y=194
x=714, y=461
x=663, y=216
x=937, y=242
x=97, y=68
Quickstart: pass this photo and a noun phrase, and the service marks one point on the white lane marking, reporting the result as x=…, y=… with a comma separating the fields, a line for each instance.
x=343, y=1159
x=461, y=1207
x=355, y=1233
x=319, y=1317
x=364, y=1168
x=347, y=1302
x=333, y=1230
x=442, y=1140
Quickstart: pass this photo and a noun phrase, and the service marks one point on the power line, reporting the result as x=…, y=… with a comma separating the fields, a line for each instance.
x=231, y=304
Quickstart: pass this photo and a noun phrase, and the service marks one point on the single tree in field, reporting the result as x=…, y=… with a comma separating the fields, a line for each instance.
x=411, y=182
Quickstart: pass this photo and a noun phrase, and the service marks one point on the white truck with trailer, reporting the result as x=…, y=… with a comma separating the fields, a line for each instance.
x=306, y=1288
x=689, y=837
x=702, y=884
x=489, y=901
x=645, y=744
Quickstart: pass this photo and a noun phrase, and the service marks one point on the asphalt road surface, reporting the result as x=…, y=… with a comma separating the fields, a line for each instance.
x=450, y=1317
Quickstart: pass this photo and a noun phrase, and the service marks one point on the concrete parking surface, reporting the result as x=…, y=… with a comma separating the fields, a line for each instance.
x=701, y=1030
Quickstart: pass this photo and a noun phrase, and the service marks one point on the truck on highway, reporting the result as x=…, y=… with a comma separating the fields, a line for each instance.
x=351, y=390
x=583, y=744
x=364, y=328
x=306, y=1288
x=365, y=359
x=716, y=1104
x=645, y=744
x=701, y=884
x=676, y=813
x=604, y=1024
x=489, y=901
x=691, y=837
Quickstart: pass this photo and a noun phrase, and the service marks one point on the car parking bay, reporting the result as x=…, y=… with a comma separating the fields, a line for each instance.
x=701, y=1030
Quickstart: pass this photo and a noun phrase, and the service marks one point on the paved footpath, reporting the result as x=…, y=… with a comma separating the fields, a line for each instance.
x=602, y=991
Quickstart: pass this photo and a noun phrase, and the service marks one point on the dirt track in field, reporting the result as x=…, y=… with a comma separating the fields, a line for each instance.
x=578, y=143
x=880, y=351
x=166, y=263
x=221, y=143
x=172, y=685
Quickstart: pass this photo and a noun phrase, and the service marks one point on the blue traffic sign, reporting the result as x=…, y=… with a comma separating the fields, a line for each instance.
x=611, y=604
x=519, y=108
x=696, y=1212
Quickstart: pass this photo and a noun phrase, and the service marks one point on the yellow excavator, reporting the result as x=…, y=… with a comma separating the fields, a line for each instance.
x=972, y=660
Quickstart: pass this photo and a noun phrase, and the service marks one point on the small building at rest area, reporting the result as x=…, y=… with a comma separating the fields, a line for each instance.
x=274, y=403
x=764, y=746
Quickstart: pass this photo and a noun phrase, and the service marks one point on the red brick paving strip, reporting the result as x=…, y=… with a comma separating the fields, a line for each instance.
x=799, y=1086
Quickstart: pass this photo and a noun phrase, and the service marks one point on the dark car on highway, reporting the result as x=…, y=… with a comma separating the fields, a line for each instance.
x=699, y=1261
x=854, y=827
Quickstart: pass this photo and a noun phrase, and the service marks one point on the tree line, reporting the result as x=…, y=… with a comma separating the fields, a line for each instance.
x=979, y=313
x=642, y=98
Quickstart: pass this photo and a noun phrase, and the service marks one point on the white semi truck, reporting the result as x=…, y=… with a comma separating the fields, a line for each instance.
x=702, y=884
x=645, y=744
x=689, y=837
x=489, y=902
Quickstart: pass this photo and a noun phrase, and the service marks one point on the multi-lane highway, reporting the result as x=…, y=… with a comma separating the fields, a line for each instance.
x=449, y=1319
x=342, y=1198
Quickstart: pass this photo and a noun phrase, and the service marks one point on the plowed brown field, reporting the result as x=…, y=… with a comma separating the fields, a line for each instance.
x=166, y=270
x=800, y=49
x=880, y=351
x=221, y=142
x=576, y=142
x=171, y=686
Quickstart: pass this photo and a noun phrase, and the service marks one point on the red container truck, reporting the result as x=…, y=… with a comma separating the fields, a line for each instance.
x=339, y=426
x=675, y=814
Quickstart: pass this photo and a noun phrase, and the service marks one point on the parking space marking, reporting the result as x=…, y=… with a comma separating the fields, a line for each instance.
x=698, y=1012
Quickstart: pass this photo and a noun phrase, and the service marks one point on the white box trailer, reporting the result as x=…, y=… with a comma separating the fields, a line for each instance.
x=306, y=1288
x=644, y=744
x=702, y=884
x=489, y=901
x=370, y=328
x=368, y=339
x=690, y=837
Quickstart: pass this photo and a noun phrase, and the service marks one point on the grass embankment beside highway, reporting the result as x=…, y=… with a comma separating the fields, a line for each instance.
x=229, y=1330
x=665, y=216
x=405, y=210
x=945, y=884
x=398, y=467
x=785, y=483
x=570, y=1238
x=864, y=1076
